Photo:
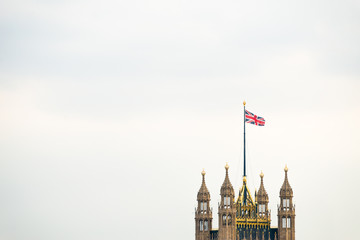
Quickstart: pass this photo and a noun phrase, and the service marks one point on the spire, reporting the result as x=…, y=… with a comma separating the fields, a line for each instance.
x=244, y=195
x=227, y=209
x=286, y=211
x=203, y=191
x=203, y=212
x=262, y=194
x=286, y=188
x=227, y=187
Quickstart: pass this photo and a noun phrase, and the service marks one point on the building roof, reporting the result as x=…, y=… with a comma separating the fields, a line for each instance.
x=203, y=193
x=262, y=196
x=286, y=189
x=227, y=188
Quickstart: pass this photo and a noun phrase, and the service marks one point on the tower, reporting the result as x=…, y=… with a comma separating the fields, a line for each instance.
x=227, y=210
x=203, y=213
x=262, y=200
x=286, y=211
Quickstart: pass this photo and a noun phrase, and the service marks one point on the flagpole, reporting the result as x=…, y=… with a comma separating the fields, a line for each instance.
x=244, y=143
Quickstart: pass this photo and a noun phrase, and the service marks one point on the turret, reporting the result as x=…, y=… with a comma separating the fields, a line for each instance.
x=262, y=199
x=263, y=212
x=286, y=211
x=227, y=210
x=203, y=213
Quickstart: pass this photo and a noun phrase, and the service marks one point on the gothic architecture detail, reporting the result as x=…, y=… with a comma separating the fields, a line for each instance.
x=246, y=218
x=203, y=213
x=286, y=211
x=253, y=218
x=227, y=210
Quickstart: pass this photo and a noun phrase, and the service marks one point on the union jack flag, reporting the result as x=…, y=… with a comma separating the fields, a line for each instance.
x=253, y=119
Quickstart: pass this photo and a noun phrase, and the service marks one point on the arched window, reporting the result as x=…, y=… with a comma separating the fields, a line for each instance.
x=288, y=223
x=206, y=225
x=203, y=207
x=286, y=203
x=226, y=202
x=283, y=222
x=262, y=210
x=229, y=219
x=224, y=219
x=201, y=225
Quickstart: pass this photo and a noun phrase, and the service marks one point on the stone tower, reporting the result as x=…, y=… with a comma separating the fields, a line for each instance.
x=203, y=213
x=227, y=210
x=286, y=211
x=262, y=200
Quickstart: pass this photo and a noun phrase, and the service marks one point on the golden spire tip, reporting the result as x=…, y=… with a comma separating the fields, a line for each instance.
x=286, y=168
x=244, y=103
x=244, y=179
x=226, y=166
x=203, y=172
x=261, y=174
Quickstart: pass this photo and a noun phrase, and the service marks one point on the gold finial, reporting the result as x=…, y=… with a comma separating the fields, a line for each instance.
x=286, y=168
x=261, y=174
x=203, y=172
x=244, y=179
x=226, y=166
x=244, y=103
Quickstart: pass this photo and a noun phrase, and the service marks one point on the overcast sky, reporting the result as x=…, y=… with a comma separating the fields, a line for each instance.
x=109, y=111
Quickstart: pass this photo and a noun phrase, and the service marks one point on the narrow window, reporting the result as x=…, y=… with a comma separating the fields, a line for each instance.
x=229, y=220
x=201, y=225
x=205, y=206
x=262, y=208
x=206, y=225
x=288, y=223
x=226, y=202
x=286, y=203
x=283, y=222
x=224, y=219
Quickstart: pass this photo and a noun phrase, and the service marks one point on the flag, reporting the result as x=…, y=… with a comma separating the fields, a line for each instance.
x=253, y=119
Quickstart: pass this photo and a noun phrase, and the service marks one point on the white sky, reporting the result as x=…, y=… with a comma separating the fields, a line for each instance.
x=110, y=110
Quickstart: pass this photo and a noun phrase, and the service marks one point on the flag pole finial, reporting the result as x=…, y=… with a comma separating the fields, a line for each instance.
x=244, y=103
